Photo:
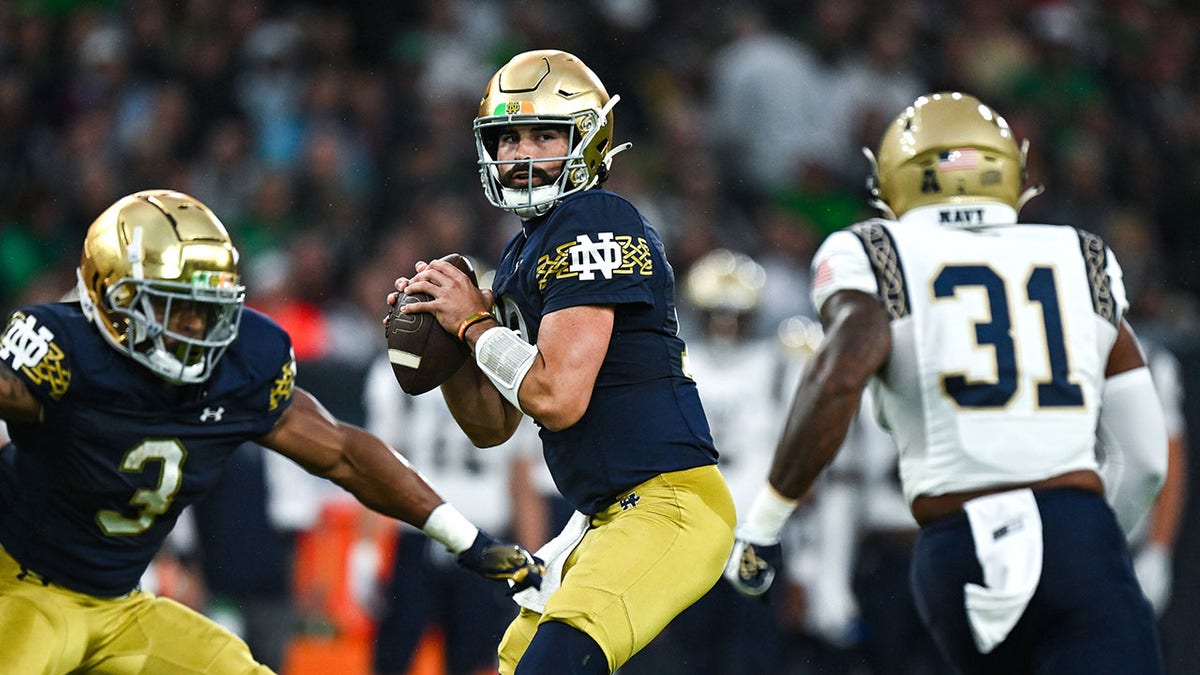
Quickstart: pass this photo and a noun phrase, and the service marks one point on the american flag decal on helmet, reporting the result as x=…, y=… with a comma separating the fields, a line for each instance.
x=959, y=159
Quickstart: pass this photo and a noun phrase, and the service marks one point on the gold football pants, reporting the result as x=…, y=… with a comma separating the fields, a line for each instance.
x=646, y=558
x=49, y=629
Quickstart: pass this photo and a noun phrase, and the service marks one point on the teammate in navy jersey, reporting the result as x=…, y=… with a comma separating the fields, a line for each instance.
x=1029, y=435
x=581, y=335
x=123, y=406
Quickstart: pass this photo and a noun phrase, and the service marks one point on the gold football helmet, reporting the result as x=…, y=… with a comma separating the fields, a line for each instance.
x=149, y=261
x=948, y=148
x=546, y=87
x=724, y=281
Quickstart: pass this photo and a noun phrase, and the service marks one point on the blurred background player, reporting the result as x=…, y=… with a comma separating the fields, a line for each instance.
x=423, y=589
x=744, y=383
x=890, y=636
x=1153, y=542
x=810, y=624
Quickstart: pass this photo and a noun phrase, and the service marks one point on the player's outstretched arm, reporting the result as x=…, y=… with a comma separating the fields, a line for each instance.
x=857, y=343
x=17, y=403
x=384, y=481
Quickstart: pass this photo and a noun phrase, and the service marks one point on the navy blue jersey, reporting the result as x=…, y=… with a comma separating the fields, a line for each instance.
x=645, y=416
x=98, y=484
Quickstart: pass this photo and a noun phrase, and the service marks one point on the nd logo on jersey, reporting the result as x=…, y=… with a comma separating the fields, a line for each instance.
x=25, y=343
x=588, y=257
x=29, y=347
x=608, y=255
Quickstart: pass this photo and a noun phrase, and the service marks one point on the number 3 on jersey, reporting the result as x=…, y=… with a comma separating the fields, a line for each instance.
x=155, y=502
x=998, y=334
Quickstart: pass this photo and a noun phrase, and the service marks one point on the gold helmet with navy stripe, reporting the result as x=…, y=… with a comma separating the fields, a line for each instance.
x=948, y=148
x=149, y=259
x=546, y=87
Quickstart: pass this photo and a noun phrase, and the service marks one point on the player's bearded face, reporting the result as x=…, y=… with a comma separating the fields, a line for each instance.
x=525, y=144
x=523, y=174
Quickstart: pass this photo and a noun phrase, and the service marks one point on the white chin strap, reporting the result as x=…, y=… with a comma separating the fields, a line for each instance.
x=165, y=364
x=530, y=203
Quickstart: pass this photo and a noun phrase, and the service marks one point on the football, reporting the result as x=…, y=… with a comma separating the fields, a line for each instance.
x=423, y=354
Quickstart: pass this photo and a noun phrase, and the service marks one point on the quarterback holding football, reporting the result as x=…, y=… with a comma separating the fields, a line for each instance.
x=581, y=335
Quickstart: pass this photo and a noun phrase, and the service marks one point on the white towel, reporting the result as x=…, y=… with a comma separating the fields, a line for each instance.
x=554, y=553
x=1007, y=529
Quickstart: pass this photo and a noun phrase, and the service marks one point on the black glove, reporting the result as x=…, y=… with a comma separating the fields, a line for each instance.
x=752, y=567
x=494, y=559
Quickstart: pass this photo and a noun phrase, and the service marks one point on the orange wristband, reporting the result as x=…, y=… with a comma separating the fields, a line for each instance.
x=470, y=321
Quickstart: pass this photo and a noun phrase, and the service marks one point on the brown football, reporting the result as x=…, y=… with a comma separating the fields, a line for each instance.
x=423, y=354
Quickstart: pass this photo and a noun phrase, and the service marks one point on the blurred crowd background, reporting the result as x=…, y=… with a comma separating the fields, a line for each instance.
x=334, y=141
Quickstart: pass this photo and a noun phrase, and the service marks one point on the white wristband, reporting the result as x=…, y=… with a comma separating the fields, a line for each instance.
x=505, y=357
x=766, y=517
x=446, y=525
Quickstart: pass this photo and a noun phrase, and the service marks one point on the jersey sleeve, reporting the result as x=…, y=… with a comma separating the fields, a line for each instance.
x=841, y=263
x=283, y=385
x=34, y=347
x=267, y=363
x=1116, y=282
x=597, y=252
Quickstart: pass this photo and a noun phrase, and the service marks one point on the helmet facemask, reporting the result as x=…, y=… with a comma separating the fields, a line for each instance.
x=582, y=130
x=141, y=298
x=546, y=88
x=148, y=307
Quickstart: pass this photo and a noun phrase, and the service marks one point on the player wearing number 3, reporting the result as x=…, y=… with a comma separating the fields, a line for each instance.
x=584, y=340
x=1029, y=434
x=124, y=405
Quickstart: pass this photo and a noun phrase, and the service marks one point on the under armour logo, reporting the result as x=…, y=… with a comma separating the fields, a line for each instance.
x=212, y=414
x=630, y=501
x=589, y=257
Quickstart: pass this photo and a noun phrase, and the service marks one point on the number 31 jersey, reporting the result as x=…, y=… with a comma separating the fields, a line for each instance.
x=1000, y=337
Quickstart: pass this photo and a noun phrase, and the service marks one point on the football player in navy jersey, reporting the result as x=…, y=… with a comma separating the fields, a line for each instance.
x=123, y=406
x=581, y=335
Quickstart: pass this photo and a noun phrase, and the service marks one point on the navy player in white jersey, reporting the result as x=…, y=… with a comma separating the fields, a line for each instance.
x=1153, y=541
x=744, y=384
x=584, y=340
x=1028, y=429
x=123, y=406
x=493, y=488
